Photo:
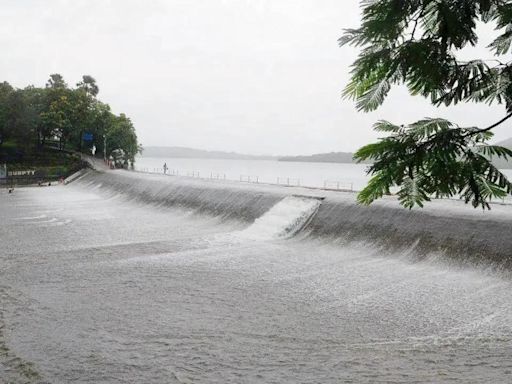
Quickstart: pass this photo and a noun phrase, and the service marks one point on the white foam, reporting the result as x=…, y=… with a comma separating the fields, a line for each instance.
x=284, y=219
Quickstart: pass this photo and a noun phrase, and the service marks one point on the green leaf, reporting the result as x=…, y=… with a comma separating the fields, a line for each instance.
x=494, y=150
x=431, y=158
x=378, y=186
x=386, y=126
x=501, y=45
x=427, y=127
x=374, y=96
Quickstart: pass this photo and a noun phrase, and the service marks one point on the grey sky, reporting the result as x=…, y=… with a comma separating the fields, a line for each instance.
x=253, y=76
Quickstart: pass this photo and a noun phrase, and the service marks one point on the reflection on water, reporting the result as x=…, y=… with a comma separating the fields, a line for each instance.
x=126, y=292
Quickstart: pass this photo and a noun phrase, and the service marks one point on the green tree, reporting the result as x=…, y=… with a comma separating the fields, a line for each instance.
x=122, y=135
x=415, y=43
x=19, y=124
x=5, y=90
x=57, y=119
x=88, y=84
x=100, y=120
x=84, y=99
x=32, y=115
x=35, y=103
x=56, y=81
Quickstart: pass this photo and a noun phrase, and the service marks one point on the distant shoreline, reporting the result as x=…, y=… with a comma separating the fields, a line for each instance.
x=276, y=159
x=192, y=153
x=331, y=157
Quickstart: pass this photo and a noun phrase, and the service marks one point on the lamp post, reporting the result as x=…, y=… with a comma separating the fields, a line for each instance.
x=105, y=148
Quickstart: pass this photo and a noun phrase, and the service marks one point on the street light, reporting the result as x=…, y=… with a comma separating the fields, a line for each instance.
x=105, y=148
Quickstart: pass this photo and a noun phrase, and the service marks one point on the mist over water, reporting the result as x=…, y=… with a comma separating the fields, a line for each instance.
x=168, y=281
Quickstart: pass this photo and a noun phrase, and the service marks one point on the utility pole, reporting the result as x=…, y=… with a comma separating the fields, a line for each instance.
x=105, y=148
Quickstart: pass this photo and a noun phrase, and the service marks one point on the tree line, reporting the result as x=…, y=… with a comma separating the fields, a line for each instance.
x=57, y=115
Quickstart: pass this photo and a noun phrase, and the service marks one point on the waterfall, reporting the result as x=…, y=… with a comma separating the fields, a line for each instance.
x=446, y=228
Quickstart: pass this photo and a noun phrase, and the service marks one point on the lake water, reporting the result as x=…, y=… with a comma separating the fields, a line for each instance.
x=99, y=286
x=319, y=175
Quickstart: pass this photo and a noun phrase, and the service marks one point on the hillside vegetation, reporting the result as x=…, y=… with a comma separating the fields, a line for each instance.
x=46, y=127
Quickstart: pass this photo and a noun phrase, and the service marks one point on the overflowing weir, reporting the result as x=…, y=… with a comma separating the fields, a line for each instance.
x=444, y=229
x=236, y=282
x=285, y=219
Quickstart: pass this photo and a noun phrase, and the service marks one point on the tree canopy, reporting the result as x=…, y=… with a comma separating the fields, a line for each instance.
x=415, y=43
x=33, y=117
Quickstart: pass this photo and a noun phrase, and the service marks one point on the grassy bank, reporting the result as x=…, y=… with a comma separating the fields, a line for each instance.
x=41, y=164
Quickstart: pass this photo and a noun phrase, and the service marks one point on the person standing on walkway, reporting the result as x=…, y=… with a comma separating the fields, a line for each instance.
x=165, y=168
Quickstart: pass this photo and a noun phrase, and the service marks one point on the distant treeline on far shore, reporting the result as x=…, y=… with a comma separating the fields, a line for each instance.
x=332, y=157
x=184, y=152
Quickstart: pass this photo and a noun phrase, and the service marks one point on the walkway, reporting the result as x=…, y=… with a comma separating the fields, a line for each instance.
x=96, y=163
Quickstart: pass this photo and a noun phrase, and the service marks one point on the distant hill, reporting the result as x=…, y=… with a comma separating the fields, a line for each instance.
x=191, y=153
x=506, y=143
x=331, y=157
x=501, y=163
x=347, y=157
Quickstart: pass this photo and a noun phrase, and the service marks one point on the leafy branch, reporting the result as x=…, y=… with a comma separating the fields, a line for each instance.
x=432, y=157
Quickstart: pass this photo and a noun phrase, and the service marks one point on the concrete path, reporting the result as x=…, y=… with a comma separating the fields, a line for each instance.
x=96, y=163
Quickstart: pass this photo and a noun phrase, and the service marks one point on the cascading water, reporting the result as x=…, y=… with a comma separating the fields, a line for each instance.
x=283, y=220
x=132, y=289
x=446, y=227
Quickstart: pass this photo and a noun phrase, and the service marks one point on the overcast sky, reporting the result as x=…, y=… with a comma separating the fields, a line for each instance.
x=252, y=76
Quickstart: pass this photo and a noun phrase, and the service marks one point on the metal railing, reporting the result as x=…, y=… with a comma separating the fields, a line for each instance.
x=288, y=181
x=249, y=179
x=194, y=174
x=217, y=176
x=13, y=181
x=339, y=185
x=333, y=185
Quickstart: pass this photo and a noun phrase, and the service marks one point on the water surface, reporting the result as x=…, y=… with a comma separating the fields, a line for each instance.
x=96, y=288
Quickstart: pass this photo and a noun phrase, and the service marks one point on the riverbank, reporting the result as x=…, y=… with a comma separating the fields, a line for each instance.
x=42, y=166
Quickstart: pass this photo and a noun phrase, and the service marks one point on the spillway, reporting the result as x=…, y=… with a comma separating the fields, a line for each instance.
x=124, y=277
x=446, y=228
x=287, y=218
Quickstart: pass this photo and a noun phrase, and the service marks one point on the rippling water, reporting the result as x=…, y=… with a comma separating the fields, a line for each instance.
x=106, y=290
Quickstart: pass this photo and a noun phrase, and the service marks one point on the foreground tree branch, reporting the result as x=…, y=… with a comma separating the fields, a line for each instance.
x=495, y=124
x=432, y=157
